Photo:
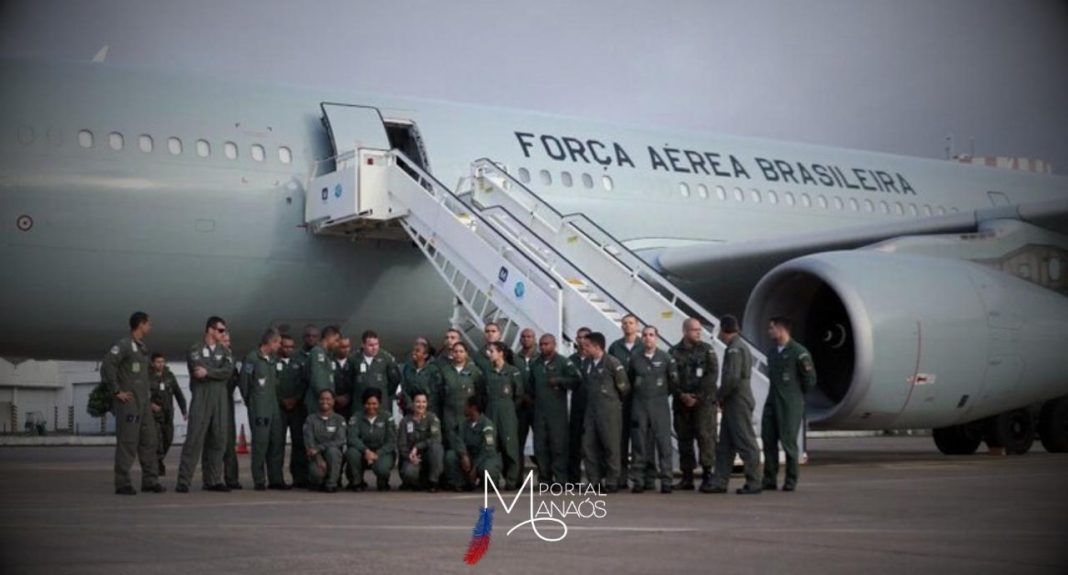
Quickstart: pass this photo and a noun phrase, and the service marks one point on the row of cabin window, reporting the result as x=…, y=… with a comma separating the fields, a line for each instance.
x=116, y=141
x=755, y=196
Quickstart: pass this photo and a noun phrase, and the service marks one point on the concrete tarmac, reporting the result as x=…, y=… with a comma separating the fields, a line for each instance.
x=865, y=505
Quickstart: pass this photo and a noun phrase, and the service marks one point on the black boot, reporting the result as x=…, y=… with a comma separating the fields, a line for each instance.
x=686, y=483
x=706, y=480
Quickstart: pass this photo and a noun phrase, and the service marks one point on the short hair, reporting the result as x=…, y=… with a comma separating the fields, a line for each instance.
x=326, y=390
x=369, y=393
x=582, y=332
x=156, y=355
x=268, y=335
x=369, y=334
x=454, y=330
x=632, y=316
x=728, y=324
x=783, y=322
x=493, y=323
x=547, y=337
x=137, y=318
x=500, y=347
x=651, y=327
x=286, y=336
x=596, y=338
x=330, y=330
x=689, y=321
x=311, y=327
x=212, y=322
x=475, y=401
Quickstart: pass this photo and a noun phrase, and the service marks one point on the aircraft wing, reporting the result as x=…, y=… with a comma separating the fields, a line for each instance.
x=722, y=275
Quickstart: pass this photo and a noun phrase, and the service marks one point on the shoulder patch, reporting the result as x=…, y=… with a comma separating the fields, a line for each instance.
x=114, y=350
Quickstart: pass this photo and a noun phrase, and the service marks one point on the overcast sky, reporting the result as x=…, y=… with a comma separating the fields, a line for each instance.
x=894, y=76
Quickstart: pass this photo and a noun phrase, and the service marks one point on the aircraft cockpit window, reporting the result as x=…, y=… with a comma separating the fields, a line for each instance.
x=546, y=177
x=257, y=152
x=174, y=145
x=203, y=148
x=144, y=142
x=85, y=139
x=524, y=175
x=285, y=155
x=116, y=141
x=230, y=150
x=565, y=178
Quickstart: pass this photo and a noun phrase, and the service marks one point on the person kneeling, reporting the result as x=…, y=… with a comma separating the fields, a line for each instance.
x=324, y=438
x=420, y=446
x=372, y=443
x=474, y=453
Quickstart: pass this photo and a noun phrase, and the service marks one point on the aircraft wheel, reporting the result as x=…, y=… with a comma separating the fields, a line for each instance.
x=1053, y=425
x=957, y=439
x=1014, y=430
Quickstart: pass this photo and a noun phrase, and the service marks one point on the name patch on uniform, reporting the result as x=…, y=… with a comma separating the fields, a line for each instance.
x=115, y=350
x=363, y=368
x=162, y=386
x=136, y=368
x=331, y=428
x=700, y=372
x=262, y=381
x=411, y=427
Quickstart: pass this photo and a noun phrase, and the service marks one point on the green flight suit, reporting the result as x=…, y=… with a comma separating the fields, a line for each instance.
x=457, y=386
x=259, y=388
x=380, y=372
x=504, y=390
x=379, y=436
x=209, y=413
x=525, y=410
x=327, y=436
x=345, y=386
x=576, y=420
x=698, y=373
x=478, y=440
x=292, y=386
x=230, y=468
x=735, y=396
x=653, y=380
x=606, y=387
x=425, y=437
x=791, y=374
x=165, y=390
x=319, y=373
x=551, y=378
x=620, y=351
x=125, y=368
x=426, y=379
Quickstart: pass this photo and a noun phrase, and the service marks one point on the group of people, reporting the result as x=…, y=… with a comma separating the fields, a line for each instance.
x=603, y=415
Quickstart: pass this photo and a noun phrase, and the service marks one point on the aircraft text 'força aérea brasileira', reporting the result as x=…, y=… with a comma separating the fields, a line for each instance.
x=683, y=161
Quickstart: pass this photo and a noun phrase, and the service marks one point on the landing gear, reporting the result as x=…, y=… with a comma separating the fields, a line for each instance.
x=961, y=439
x=1014, y=430
x=1053, y=425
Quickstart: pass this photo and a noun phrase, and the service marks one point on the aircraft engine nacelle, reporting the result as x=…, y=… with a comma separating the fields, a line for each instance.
x=905, y=341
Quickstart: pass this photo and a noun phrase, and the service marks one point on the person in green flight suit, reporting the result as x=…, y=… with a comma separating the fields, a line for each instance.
x=735, y=398
x=694, y=404
x=654, y=377
x=504, y=388
x=791, y=374
x=165, y=391
x=377, y=369
x=606, y=386
x=622, y=349
x=319, y=367
x=211, y=366
x=124, y=371
x=460, y=380
x=291, y=390
x=230, y=468
x=420, y=446
x=474, y=453
x=551, y=376
x=259, y=389
x=325, y=436
x=523, y=359
x=344, y=378
x=372, y=443
x=577, y=417
x=421, y=374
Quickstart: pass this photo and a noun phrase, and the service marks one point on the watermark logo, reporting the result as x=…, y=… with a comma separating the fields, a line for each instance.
x=545, y=518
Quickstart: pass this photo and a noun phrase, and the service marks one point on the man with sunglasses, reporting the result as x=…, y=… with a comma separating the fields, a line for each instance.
x=211, y=365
